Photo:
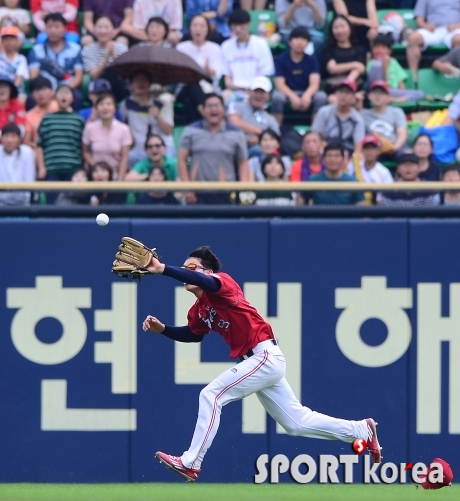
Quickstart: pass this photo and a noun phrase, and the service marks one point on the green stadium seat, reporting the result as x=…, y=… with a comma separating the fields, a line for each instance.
x=437, y=85
x=409, y=19
x=263, y=22
x=302, y=129
x=413, y=129
x=410, y=106
x=177, y=134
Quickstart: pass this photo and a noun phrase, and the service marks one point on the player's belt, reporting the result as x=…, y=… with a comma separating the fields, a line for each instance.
x=250, y=353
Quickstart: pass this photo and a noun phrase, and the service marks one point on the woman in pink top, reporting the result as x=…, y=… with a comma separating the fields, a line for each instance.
x=107, y=139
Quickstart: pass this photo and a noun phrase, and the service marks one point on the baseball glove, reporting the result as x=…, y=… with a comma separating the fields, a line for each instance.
x=132, y=259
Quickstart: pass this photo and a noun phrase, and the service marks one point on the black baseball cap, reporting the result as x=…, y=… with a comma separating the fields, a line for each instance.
x=408, y=158
x=99, y=85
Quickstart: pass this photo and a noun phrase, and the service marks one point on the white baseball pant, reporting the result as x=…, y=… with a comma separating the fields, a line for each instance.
x=263, y=374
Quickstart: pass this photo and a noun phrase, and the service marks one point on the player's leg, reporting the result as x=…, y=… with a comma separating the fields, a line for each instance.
x=281, y=403
x=245, y=378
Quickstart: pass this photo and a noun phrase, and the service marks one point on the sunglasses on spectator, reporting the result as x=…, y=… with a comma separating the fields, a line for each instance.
x=155, y=145
x=193, y=267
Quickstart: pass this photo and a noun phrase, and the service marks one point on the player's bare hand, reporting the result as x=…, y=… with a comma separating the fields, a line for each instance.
x=155, y=267
x=152, y=324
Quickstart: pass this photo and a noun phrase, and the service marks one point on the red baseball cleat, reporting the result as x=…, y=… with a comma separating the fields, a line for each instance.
x=174, y=463
x=373, y=445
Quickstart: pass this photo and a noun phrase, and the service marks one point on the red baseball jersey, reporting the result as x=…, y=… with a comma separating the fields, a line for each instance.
x=230, y=314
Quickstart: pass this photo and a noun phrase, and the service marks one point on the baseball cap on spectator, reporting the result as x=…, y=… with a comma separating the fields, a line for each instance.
x=99, y=85
x=345, y=82
x=408, y=158
x=10, y=31
x=39, y=83
x=379, y=84
x=448, y=476
x=300, y=32
x=370, y=139
x=14, y=89
x=261, y=82
x=11, y=128
x=238, y=17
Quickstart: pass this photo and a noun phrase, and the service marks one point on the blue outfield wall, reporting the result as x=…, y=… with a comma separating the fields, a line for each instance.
x=367, y=313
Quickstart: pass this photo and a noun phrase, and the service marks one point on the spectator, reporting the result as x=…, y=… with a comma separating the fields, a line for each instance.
x=76, y=197
x=343, y=58
x=297, y=78
x=408, y=171
x=451, y=174
x=341, y=122
x=269, y=143
x=438, y=23
x=57, y=59
x=107, y=139
x=274, y=172
x=102, y=172
x=245, y=57
x=11, y=14
x=11, y=110
x=449, y=63
x=253, y=4
x=155, y=149
x=157, y=31
x=43, y=95
x=362, y=14
x=119, y=11
x=216, y=12
x=213, y=146
x=13, y=64
x=208, y=55
x=386, y=68
x=68, y=10
x=368, y=169
x=157, y=175
x=169, y=10
x=333, y=158
x=251, y=117
x=17, y=164
x=387, y=123
x=429, y=169
x=96, y=56
x=311, y=163
x=95, y=89
x=146, y=116
x=59, y=142
x=308, y=14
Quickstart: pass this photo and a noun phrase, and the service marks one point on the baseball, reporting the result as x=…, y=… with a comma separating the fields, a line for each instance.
x=102, y=220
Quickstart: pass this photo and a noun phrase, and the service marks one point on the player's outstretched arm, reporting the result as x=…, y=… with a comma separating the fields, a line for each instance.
x=205, y=282
x=182, y=334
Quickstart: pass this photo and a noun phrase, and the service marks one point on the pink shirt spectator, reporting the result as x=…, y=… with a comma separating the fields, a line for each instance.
x=106, y=145
x=68, y=8
x=169, y=10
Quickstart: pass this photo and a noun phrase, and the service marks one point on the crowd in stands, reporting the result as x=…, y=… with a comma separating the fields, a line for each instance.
x=66, y=115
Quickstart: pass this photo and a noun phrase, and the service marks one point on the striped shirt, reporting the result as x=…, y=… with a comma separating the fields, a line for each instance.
x=93, y=55
x=60, y=137
x=413, y=199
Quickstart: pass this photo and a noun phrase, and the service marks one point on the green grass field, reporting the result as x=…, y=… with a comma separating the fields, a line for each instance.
x=221, y=492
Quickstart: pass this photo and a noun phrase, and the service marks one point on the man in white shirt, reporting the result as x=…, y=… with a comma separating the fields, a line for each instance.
x=17, y=164
x=367, y=169
x=244, y=57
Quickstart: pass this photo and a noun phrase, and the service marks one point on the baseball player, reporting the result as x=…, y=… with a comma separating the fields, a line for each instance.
x=220, y=306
